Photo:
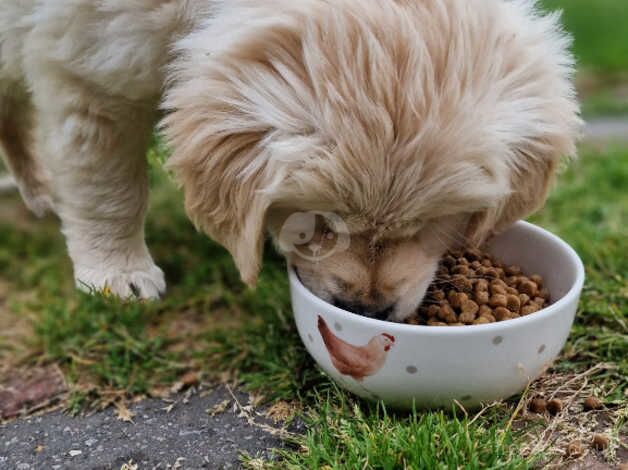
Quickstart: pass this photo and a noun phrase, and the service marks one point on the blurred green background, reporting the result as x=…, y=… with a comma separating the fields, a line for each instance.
x=600, y=31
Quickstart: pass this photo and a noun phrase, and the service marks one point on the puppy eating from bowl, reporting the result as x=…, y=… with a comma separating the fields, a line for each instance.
x=406, y=127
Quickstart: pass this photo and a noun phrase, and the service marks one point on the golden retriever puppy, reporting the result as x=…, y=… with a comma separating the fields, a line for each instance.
x=366, y=136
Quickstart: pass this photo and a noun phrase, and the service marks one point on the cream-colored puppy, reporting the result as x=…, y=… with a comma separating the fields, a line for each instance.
x=417, y=124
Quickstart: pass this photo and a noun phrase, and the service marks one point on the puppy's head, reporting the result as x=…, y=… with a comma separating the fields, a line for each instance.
x=401, y=129
x=378, y=272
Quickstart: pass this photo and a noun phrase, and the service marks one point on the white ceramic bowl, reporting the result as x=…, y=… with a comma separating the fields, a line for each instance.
x=433, y=366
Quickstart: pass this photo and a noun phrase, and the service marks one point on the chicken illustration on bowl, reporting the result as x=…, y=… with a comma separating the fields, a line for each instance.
x=356, y=361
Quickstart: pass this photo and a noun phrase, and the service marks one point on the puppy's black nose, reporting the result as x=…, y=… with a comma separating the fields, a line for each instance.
x=372, y=311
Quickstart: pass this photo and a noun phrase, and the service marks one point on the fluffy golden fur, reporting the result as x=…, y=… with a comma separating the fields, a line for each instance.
x=420, y=123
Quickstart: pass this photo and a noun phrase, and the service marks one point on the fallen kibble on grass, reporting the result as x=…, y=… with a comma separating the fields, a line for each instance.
x=554, y=406
x=600, y=441
x=538, y=405
x=190, y=378
x=574, y=449
x=592, y=403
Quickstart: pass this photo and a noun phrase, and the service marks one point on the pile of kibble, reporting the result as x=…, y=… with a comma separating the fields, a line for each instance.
x=473, y=288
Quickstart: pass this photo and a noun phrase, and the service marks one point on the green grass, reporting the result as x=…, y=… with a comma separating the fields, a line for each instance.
x=607, y=101
x=600, y=32
x=588, y=209
x=211, y=324
x=342, y=435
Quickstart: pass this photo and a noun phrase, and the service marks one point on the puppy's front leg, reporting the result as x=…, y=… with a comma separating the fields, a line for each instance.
x=94, y=149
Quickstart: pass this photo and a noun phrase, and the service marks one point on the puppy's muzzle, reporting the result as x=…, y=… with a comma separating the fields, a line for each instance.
x=372, y=311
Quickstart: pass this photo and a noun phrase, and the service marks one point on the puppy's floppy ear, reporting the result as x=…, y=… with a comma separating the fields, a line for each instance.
x=220, y=188
x=229, y=116
x=217, y=160
x=533, y=171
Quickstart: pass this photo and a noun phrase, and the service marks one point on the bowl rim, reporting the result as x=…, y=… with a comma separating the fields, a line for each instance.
x=553, y=309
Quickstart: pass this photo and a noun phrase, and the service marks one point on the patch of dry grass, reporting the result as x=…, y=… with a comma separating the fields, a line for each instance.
x=551, y=435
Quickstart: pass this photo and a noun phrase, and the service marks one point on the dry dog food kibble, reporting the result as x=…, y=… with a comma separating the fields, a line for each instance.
x=538, y=405
x=600, y=441
x=472, y=288
x=592, y=403
x=554, y=406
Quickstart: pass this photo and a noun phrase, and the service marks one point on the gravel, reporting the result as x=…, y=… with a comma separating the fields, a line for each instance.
x=186, y=437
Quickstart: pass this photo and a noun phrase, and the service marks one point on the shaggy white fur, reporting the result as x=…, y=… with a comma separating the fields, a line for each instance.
x=80, y=83
x=396, y=115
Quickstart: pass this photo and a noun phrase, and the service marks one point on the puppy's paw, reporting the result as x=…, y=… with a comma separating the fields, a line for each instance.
x=143, y=282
